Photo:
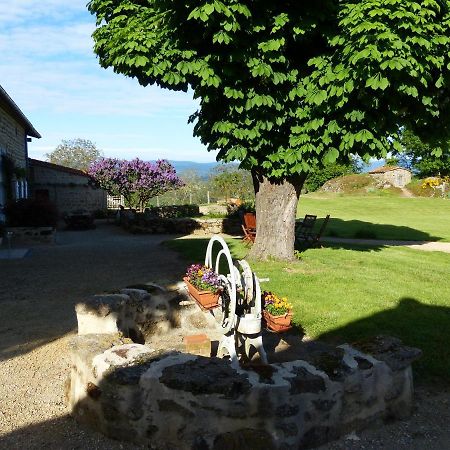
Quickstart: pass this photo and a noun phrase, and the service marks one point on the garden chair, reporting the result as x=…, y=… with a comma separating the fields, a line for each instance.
x=305, y=227
x=313, y=239
x=249, y=227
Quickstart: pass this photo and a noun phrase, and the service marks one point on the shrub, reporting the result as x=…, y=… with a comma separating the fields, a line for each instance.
x=31, y=213
x=238, y=210
x=430, y=187
x=318, y=178
x=102, y=214
x=173, y=211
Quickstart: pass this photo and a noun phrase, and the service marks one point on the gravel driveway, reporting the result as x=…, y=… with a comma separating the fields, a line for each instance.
x=37, y=298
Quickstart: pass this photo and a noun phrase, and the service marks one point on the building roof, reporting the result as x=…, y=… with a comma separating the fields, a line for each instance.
x=385, y=169
x=48, y=165
x=15, y=111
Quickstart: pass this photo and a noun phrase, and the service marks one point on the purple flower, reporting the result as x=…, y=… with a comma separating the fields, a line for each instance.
x=138, y=181
x=203, y=278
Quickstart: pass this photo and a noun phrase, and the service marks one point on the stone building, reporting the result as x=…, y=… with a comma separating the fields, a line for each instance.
x=15, y=133
x=394, y=175
x=69, y=189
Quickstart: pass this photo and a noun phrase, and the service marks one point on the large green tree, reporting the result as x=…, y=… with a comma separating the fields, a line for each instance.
x=228, y=181
x=75, y=153
x=420, y=157
x=286, y=86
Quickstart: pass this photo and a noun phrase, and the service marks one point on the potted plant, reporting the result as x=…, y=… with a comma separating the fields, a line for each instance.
x=277, y=312
x=203, y=285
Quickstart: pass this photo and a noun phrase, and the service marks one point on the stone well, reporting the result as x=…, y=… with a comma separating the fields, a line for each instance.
x=132, y=379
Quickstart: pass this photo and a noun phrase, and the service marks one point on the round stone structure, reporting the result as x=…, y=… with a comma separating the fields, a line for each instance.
x=132, y=379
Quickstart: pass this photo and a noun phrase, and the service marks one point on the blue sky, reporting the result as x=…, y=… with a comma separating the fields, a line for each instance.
x=49, y=69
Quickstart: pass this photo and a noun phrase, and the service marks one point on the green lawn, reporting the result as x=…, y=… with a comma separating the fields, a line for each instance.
x=381, y=217
x=345, y=294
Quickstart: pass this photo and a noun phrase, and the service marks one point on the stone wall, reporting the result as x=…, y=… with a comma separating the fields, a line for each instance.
x=67, y=189
x=166, y=399
x=12, y=139
x=397, y=178
x=185, y=225
x=172, y=211
x=13, y=145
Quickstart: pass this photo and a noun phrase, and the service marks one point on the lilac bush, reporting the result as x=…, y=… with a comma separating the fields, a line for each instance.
x=203, y=278
x=138, y=181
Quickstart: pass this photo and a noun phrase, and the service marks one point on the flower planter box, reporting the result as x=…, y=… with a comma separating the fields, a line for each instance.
x=278, y=323
x=205, y=299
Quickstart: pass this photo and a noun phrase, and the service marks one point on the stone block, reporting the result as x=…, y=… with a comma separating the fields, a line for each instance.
x=101, y=314
x=198, y=344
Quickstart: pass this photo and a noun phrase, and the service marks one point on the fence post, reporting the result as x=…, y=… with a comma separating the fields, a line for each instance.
x=208, y=197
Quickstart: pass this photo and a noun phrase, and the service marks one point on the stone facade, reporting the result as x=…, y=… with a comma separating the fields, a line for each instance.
x=13, y=138
x=395, y=176
x=166, y=399
x=14, y=131
x=69, y=189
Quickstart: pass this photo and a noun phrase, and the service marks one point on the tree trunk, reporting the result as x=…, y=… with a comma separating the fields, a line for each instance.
x=276, y=209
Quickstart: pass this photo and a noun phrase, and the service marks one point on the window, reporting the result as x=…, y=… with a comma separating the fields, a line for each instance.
x=21, y=188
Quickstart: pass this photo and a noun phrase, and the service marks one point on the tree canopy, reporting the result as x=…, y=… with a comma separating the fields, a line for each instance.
x=287, y=87
x=75, y=153
x=419, y=156
x=228, y=181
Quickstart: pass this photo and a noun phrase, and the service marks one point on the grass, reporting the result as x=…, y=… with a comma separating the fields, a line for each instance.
x=374, y=217
x=346, y=294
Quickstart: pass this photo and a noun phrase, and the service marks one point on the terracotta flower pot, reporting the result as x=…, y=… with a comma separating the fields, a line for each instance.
x=278, y=323
x=205, y=299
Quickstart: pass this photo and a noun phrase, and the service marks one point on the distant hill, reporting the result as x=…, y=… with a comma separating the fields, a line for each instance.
x=203, y=169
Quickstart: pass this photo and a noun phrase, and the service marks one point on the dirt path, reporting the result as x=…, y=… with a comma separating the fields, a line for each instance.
x=425, y=246
x=37, y=297
x=39, y=291
x=406, y=193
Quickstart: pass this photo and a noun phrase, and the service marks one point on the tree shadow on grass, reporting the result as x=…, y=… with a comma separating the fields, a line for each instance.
x=365, y=236
x=417, y=324
x=358, y=229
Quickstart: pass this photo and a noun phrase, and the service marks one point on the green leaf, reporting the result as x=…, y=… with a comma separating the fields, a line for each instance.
x=331, y=156
x=377, y=82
